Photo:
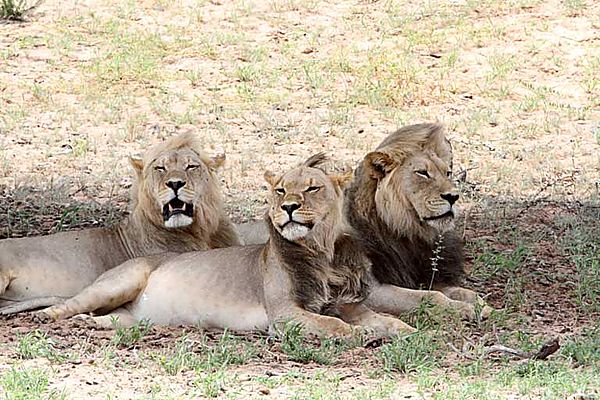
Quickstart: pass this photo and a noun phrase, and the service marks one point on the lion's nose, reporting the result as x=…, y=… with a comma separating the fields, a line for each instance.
x=175, y=184
x=450, y=197
x=290, y=208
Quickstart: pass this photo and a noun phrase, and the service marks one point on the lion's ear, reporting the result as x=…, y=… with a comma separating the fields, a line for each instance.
x=217, y=161
x=137, y=163
x=379, y=164
x=271, y=178
x=342, y=179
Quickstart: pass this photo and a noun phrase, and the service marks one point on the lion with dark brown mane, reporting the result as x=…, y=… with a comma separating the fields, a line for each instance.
x=402, y=204
x=176, y=206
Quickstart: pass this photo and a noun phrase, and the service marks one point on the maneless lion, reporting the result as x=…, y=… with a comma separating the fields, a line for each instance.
x=310, y=271
x=176, y=206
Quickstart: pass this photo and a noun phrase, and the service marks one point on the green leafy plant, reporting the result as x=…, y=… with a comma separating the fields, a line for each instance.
x=17, y=10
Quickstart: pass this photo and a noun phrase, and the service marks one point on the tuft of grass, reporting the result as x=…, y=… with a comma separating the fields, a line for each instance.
x=416, y=352
x=17, y=10
x=37, y=344
x=181, y=358
x=127, y=337
x=297, y=348
x=212, y=384
x=583, y=350
x=201, y=355
x=229, y=350
x=27, y=384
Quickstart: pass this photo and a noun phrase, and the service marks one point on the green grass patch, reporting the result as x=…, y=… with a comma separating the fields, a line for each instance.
x=204, y=355
x=420, y=351
x=28, y=384
x=297, y=348
x=583, y=350
x=17, y=10
x=37, y=344
x=580, y=243
x=127, y=337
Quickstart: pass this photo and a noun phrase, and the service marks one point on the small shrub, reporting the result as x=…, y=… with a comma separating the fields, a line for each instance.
x=17, y=10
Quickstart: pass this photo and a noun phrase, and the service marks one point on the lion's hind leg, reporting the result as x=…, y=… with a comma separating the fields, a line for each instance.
x=118, y=318
x=112, y=289
x=4, y=282
x=361, y=315
x=31, y=304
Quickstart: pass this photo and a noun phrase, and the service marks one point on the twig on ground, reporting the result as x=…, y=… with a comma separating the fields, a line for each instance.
x=547, y=349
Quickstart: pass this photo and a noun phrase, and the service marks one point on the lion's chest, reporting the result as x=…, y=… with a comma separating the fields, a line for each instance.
x=330, y=287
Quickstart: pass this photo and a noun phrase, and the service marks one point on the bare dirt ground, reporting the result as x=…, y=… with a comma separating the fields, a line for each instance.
x=84, y=84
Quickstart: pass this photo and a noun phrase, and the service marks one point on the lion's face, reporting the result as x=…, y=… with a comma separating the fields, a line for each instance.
x=178, y=184
x=416, y=190
x=304, y=200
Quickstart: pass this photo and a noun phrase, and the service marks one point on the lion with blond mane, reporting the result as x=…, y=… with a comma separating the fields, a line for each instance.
x=176, y=206
x=310, y=271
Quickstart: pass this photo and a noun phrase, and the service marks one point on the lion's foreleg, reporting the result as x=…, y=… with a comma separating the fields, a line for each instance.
x=320, y=325
x=112, y=289
x=359, y=314
x=396, y=300
x=461, y=294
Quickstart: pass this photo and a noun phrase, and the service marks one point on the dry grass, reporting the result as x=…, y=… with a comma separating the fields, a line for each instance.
x=85, y=83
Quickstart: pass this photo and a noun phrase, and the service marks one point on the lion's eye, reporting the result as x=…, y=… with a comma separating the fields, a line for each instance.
x=449, y=174
x=423, y=173
x=159, y=168
x=312, y=189
x=192, y=167
x=280, y=190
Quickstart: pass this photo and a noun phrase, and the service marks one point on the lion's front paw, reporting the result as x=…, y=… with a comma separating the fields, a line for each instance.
x=343, y=331
x=467, y=311
x=398, y=327
x=472, y=312
x=486, y=311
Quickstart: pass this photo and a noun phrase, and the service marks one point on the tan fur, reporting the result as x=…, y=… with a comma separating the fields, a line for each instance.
x=34, y=271
x=404, y=199
x=401, y=203
x=309, y=267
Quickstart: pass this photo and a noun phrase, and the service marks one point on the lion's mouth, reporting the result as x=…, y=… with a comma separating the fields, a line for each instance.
x=308, y=225
x=175, y=207
x=447, y=214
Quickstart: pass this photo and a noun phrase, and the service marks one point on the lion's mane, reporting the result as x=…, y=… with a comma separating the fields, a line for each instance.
x=402, y=254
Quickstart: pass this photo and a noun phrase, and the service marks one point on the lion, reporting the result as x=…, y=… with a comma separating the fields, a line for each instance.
x=176, y=207
x=402, y=204
x=310, y=271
